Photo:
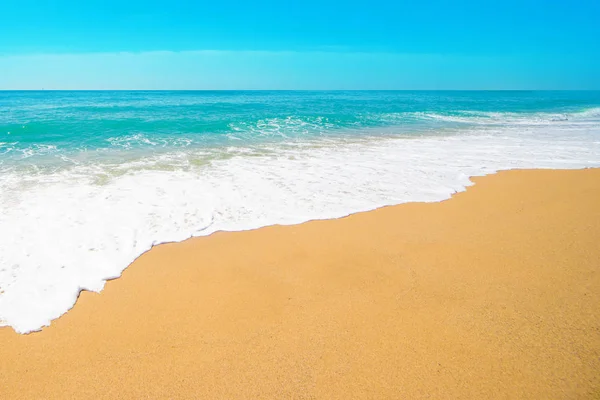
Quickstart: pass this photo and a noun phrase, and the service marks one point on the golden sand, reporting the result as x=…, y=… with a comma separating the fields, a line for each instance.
x=492, y=294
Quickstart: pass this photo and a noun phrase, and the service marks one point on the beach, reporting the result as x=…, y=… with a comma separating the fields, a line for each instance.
x=105, y=176
x=494, y=293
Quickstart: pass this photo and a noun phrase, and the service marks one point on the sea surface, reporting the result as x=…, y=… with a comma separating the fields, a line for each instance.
x=91, y=180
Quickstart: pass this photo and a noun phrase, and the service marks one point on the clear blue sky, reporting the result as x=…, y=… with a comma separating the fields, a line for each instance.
x=132, y=44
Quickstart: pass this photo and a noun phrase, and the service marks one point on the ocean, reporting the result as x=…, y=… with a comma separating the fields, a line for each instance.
x=91, y=180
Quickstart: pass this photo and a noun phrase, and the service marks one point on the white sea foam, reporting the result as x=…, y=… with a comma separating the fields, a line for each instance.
x=71, y=230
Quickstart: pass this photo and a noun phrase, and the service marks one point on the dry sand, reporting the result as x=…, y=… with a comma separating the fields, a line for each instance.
x=492, y=294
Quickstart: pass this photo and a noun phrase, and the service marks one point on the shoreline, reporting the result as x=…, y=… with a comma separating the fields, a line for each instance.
x=456, y=298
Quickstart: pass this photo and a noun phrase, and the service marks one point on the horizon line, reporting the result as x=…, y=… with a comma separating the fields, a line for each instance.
x=299, y=90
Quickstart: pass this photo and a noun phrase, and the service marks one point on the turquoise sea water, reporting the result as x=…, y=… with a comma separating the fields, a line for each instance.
x=91, y=180
x=50, y=127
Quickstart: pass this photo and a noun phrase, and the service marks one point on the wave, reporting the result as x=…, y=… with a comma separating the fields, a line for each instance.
x=75, y=147
x=291, y=126
x=142, y=140
x=512, y=118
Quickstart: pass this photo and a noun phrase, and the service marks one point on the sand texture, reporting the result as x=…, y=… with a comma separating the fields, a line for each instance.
x=492, y=294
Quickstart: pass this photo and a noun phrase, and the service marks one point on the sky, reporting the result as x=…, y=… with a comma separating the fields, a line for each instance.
x=312, y=44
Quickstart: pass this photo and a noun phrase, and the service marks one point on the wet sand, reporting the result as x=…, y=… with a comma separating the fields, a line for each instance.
x=492, y=294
